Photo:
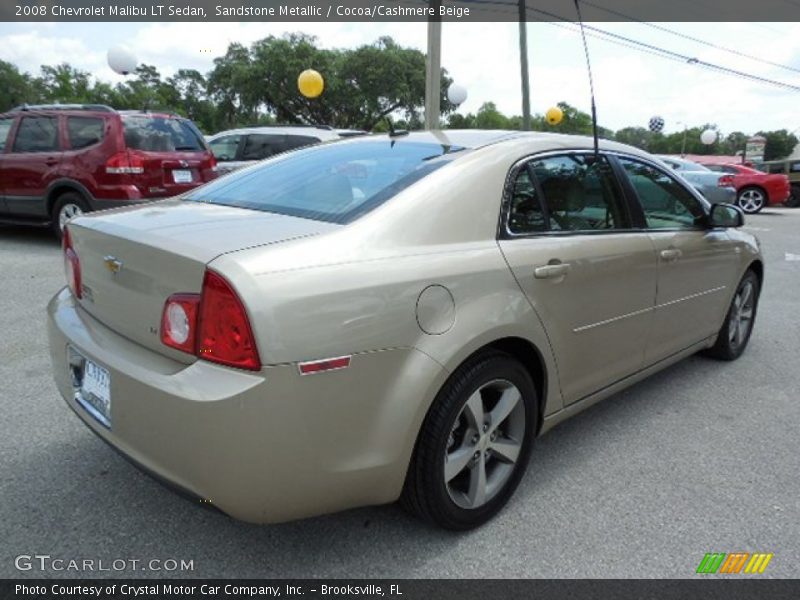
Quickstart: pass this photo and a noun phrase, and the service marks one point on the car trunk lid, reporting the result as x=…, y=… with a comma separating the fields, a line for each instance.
x=133, y=259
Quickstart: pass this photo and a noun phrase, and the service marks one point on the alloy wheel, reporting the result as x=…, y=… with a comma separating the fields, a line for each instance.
x=484, y=444
x=751, y=201
x=741, y=319
x=67, y=212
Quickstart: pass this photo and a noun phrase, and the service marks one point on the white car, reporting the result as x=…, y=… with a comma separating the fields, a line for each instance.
x=238, y=148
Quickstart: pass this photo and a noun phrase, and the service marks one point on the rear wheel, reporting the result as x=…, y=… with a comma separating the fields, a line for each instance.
x=474, y=444
x=67, y=206
x=751, y=200
x=735, y=332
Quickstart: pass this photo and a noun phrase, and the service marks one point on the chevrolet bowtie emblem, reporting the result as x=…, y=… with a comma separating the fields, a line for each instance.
x=113, y=264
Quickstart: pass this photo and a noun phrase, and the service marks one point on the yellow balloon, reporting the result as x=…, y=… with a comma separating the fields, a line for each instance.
x=310, y=83
x=554, y=115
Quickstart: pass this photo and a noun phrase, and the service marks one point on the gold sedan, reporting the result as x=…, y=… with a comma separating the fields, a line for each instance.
x=390, y=317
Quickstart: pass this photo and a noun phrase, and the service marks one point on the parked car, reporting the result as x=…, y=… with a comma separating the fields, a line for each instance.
x=58, y=161
x=756, y=189
x=390, y=316
x=791, y=169
x=237, y=148
x=715, y=187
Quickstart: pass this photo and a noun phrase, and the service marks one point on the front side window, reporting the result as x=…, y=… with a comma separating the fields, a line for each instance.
x=84, y=131
x=333, y=182
x=5, y=129
x=665, y=202
x=37, y=134
x=225, y=148
x=579, y=193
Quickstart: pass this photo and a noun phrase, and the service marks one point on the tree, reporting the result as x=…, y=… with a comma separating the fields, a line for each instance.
x=489, y=117
x=362, y=86
x=15, y=88
x=780, y=143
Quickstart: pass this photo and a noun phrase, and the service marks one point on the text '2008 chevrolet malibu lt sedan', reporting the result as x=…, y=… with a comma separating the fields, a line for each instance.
x=390, y=317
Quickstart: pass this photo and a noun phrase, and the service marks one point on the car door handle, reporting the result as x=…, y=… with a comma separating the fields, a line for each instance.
x=50, y=161
x=671, y=254
x=551, y=271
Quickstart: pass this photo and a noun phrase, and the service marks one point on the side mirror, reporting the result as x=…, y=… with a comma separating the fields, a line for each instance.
x=726, y=215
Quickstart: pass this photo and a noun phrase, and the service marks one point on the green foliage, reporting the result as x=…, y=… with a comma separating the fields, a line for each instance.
x=254, y=85
x=779, y=143
x=258, y=85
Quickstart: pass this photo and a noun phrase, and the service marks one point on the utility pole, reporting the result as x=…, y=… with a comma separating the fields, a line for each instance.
x=523, y=62
x=433, y=68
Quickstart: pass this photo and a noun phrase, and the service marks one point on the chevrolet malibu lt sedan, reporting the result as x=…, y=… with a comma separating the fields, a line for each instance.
x=390, y=317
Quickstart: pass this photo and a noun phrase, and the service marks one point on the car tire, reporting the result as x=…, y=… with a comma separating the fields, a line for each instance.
x=738, y=325
x=751, y=200
x=66, y=206
x=482, y=424
x=793, y=201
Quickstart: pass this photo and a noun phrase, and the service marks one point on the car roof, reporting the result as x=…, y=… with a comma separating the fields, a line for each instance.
x=524, y=141
x=321, y=133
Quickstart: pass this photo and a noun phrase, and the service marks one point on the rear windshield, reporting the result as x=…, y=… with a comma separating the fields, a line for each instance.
x=161, y=134
x=336, y=182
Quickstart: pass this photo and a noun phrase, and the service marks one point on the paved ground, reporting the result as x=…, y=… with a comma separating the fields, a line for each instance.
x=702, y=457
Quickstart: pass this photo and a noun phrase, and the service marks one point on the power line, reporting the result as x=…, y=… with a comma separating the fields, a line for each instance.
x=653, y=49
x=692, y=38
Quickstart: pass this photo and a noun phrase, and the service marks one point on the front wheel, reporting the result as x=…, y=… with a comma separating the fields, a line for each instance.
x=793, y=201
x=474, y=444
x=735, y=333
x=751, y=200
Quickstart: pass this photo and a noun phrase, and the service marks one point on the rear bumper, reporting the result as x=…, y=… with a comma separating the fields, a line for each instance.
x=263, y=447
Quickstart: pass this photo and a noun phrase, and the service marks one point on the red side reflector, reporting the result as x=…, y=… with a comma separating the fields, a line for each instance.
x=327, y=364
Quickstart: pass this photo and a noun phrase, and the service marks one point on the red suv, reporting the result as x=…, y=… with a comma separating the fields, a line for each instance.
x=58, y=161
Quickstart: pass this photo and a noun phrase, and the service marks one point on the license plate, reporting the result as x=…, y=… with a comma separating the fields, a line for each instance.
x=95, y=392
x=182, y=176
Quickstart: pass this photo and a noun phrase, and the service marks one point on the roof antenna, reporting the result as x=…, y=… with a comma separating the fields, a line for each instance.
x=395, y=132
x=591, y=82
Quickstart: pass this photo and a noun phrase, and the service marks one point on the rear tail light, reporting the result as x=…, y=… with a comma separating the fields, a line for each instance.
x=213, y=325
x=72, y=265
x=225, y=335
x=725, y=181
x=125, y=163
x=179, y=322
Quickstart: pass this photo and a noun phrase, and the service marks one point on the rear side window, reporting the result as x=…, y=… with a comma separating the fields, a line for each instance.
x=37, y=134
x=666, y=203
x=161, y=134
x=258, y=146
x=5, y=129
x=333, y=182
x=84, y=131
x=525, y=213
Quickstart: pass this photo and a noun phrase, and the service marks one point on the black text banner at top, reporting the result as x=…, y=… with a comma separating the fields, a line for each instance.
x=394, y=10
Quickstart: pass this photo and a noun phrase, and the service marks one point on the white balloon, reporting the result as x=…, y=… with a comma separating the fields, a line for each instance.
x=456, y=94
x=121, y=60
x=708, y=137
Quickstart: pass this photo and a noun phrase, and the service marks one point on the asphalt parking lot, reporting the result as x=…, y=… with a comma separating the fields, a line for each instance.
x=702, y=457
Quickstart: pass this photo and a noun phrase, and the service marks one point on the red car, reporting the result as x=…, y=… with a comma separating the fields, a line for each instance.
x=58, y=161
x=755, y=189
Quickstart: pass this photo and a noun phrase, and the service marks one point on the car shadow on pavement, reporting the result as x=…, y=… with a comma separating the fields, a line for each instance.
x=77, y=497
x=34, y=236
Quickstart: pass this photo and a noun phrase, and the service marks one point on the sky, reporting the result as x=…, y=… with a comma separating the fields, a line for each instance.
x=630, y=86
